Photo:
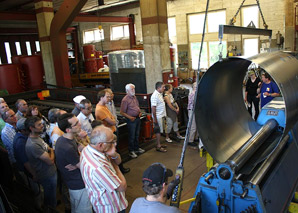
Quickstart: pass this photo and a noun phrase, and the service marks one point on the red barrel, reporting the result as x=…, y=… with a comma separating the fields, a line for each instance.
x=99, y=59
x=10, y=78
x=106, y=59
x=90, y=58
x=91, y=66
x=34, y=72
x=89, y=51
x=16, y=59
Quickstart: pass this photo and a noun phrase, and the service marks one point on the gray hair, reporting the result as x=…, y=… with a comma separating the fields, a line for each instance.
x=53, y=114
x=127, y=87
x=2, y=100
x=4, y=114
x=18, y=102
x=99, y=135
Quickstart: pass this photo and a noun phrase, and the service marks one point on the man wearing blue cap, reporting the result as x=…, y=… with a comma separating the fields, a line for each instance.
x=157, y=189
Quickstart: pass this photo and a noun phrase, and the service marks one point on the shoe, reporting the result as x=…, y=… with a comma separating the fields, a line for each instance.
x=169, y=140
x=197, y=140
x=192, y=144
x=160, y=149
x=133, y=154
x=140, y=151
x=180, y=137
x=123, y=169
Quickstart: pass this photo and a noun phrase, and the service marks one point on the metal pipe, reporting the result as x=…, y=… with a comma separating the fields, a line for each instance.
x=261, y=172
x=238, y=159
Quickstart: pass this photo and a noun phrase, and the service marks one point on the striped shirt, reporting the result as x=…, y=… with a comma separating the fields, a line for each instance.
x=101, y=181
x=158, y=101
x=7, y=135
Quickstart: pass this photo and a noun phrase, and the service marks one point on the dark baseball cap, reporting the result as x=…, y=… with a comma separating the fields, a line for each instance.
x=156, y=174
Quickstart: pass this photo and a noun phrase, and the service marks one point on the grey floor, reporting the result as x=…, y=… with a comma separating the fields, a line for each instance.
x=194, y=167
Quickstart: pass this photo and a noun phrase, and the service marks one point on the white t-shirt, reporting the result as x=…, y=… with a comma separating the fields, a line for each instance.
x=158, y=101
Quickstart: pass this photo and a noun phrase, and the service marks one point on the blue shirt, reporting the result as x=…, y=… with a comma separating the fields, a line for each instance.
x=7, y=135
x=270, y=88
x=19, y=144
x=145, y=206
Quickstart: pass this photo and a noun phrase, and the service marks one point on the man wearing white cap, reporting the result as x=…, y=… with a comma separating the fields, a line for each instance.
x=77, y=100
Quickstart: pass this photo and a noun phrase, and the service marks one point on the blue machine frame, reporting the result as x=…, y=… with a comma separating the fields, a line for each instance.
x=220, y=193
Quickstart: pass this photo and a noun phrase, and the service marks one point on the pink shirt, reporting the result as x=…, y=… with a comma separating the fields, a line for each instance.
x=101, y=182
x=130, y=106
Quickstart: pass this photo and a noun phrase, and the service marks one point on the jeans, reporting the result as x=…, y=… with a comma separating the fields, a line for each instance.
x=80, y=201
x=49, y=185
x=253, y=99
x=133, y=134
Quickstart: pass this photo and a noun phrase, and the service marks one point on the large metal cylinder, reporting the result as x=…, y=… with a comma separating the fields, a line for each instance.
x=34, y=72
x=90, y=58
x=223, y=122
x=10, y=78
x=239, y=158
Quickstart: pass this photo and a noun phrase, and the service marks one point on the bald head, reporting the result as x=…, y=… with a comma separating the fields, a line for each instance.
x=101, y=134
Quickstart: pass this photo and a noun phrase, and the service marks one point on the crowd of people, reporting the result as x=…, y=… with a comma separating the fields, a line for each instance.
x=78, y=151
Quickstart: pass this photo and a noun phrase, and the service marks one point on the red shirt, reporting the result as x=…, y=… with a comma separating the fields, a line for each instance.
x=130, y=106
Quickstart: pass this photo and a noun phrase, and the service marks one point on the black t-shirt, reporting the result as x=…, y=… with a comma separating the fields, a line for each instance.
x=251, y=87
x=66, y=152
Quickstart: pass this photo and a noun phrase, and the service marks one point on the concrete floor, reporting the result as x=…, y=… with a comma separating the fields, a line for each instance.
x=194, y=167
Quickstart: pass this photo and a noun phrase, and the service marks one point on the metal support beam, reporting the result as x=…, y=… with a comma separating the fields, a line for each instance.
x=228, y=29
x=132, y=36
x=15, y=16
x=92, y=18
x=61, y=21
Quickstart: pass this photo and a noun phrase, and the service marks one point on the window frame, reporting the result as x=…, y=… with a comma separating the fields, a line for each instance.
x=94, y=40
x=208, y=53
x=243, y=15
x=172, y=30
x=123, y=31
x=202, y=20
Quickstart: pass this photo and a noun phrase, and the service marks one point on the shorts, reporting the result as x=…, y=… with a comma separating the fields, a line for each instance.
x=158, y=128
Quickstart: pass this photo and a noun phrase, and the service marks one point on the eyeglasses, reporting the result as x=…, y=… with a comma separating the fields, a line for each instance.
x=88, y=108
x=164, y=171
x=114, y=141
x=75, y=124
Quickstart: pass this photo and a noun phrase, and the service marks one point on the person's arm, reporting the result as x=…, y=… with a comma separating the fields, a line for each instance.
x=123, y=110
x=49, y=157
x=127, y=116
x=30, y=170
x=110, y=121
x=123, y=185
x=154, y=114
x=275, y=90
x=245, y=97
x=116, y=158
x=168, y=101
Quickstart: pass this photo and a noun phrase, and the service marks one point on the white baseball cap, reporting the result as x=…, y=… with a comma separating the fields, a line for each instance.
x=78, y=98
